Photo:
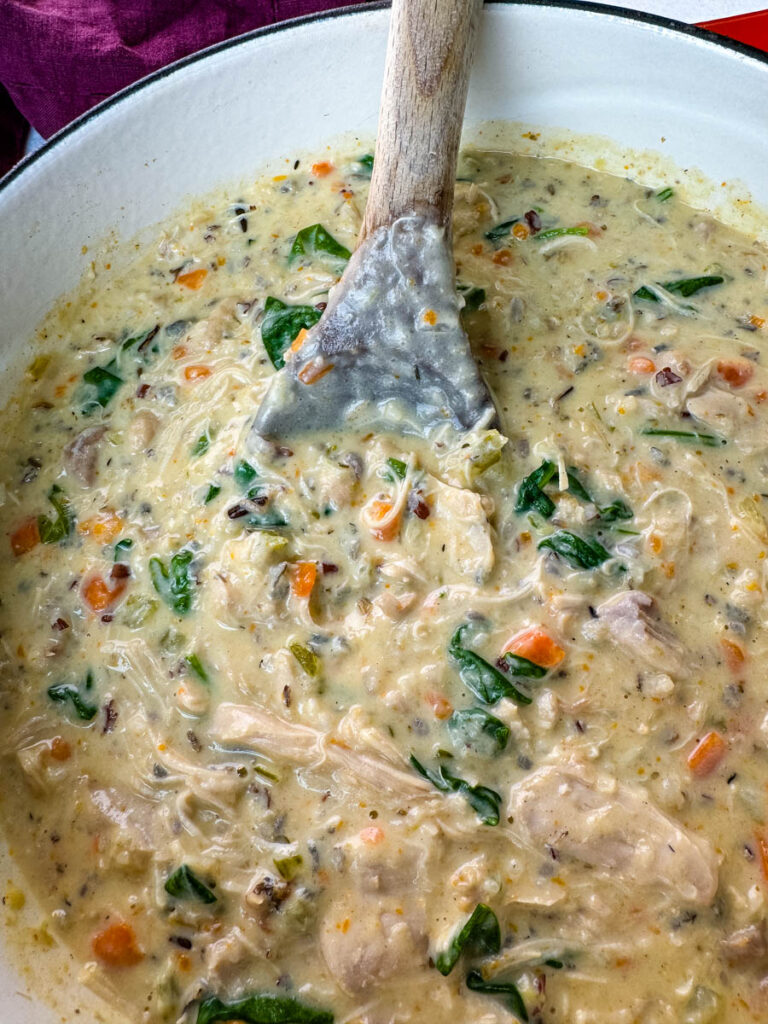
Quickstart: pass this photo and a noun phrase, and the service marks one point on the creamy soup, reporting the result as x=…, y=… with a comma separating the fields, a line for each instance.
x=354, y=729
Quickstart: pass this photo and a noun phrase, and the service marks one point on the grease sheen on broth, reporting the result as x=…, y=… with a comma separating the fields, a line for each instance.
x=259, y=735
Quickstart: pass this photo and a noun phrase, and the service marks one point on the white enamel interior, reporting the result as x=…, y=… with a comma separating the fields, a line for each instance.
x=222, y=118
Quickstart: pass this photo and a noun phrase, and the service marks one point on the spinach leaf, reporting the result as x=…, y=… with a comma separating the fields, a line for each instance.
x=270, y=520
x=261, y=1008
x=308, y=660
x=474, y=297
x=485, y=681
x=500, y=231
x=281, y=324
x=617, y=509
x=486, y=802
x=480, y=935
x=519, y=666
x=664, y=194
x=577, y=488
x=685, y=287
x=201, y=445
x=512, y=1000
x=581, y=554
x=63, y=692
x=184, y=884
x=214, y=490
x=122, y=549
x=174, y=585
x=365, y=163
x=480, y=730
x=197, y=668
x=398, y=468
x=53, y=530
x=531, y=494
x=580, y=229
x=710, y=440
x=244, y=474
x=316, y=241
x=140, y=341
x=103, y=383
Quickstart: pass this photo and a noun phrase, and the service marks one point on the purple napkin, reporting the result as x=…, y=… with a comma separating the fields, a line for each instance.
x=60, y=57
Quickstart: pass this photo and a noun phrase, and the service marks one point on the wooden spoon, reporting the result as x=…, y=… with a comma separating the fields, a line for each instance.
x=389, y=352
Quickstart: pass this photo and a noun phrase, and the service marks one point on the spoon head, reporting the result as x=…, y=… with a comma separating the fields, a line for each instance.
x=389, y=353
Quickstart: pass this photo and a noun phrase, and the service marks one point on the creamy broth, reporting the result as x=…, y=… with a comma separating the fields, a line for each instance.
x=357, y=729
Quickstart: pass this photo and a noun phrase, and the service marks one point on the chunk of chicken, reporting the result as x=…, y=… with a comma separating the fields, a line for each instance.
x=745, y=946
x=600, y=822
x=630, y=620
x=240, y=726
x=142, y=430
x=241, y=589
x=81, y=455
x=730, y=416
x=455, y=542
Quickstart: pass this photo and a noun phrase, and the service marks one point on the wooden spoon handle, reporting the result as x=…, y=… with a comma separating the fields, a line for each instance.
x=422, y=107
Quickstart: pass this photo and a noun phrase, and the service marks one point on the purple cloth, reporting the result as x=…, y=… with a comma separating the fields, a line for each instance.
x=60, y=57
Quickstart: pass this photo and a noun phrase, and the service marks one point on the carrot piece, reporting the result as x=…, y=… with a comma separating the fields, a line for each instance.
x=25, y=537
x=734, y=654
x=372, y=836
x=502, y=258
x=193, y=278
x=537, y=646
x=441, y=706
x=430, y=317
x=376, y=512
x=321, y=169
x=707, y=754
x=312, y=371
x=299, y=340
x=60, y=750
x=761, y=838
x=757, y=321
x=99, y=596
x=193, y=373
x=735, y=372
x=116, y=946
x=105, y=526
x=641, y=364
x=520, y=231
x=178, y=352
x=303, y=576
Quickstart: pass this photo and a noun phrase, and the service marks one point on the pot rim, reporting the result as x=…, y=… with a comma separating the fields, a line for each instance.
x=660, y=21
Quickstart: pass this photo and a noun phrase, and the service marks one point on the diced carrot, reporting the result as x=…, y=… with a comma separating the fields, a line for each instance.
x=761, y=838
x=520, y=231
x=735, y=372
x=193, y=373
x=757, y=321
x=99, y=596
x=441, y=706
x=707, y=754
x=537, y=646
x=321, y=169
x=376, y=512
x=641, y=364
x=60, y=750
x=593, y=229
x=299, y=340
x=25, y=537
x=178, y=352
x=502, y=258
x=193, y=278
x=372, y=836
x=734, y=654
x=312, y=371
x=104, y=526
x=430, y=317
x=116, y=946
x=303, y=576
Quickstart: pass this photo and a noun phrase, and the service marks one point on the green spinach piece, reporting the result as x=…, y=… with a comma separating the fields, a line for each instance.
x=63, y=692
x=709, y=440
x=59, y=527
x=580, y=553
x=123, y=549
x=184, y=884
x=530, y=494
x=511, y=998
x=316, y=241
x=280, y=326
x=519, y=666
x=499, y=231
x=214, y=490
x=480, y=730
x=664, y=194
x=244, y=474
x=580, y=229
x=261, y=1008
x=617, y=509
x=270, y=520
x=197, y=668
x=103, y=383
x=685, y=287
x=201, y=445
x=480, y=935
x=484, y=680
x=366, y=165
x=474, y=297
x=174, y=584
x=486, y=802
x=398, y=468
